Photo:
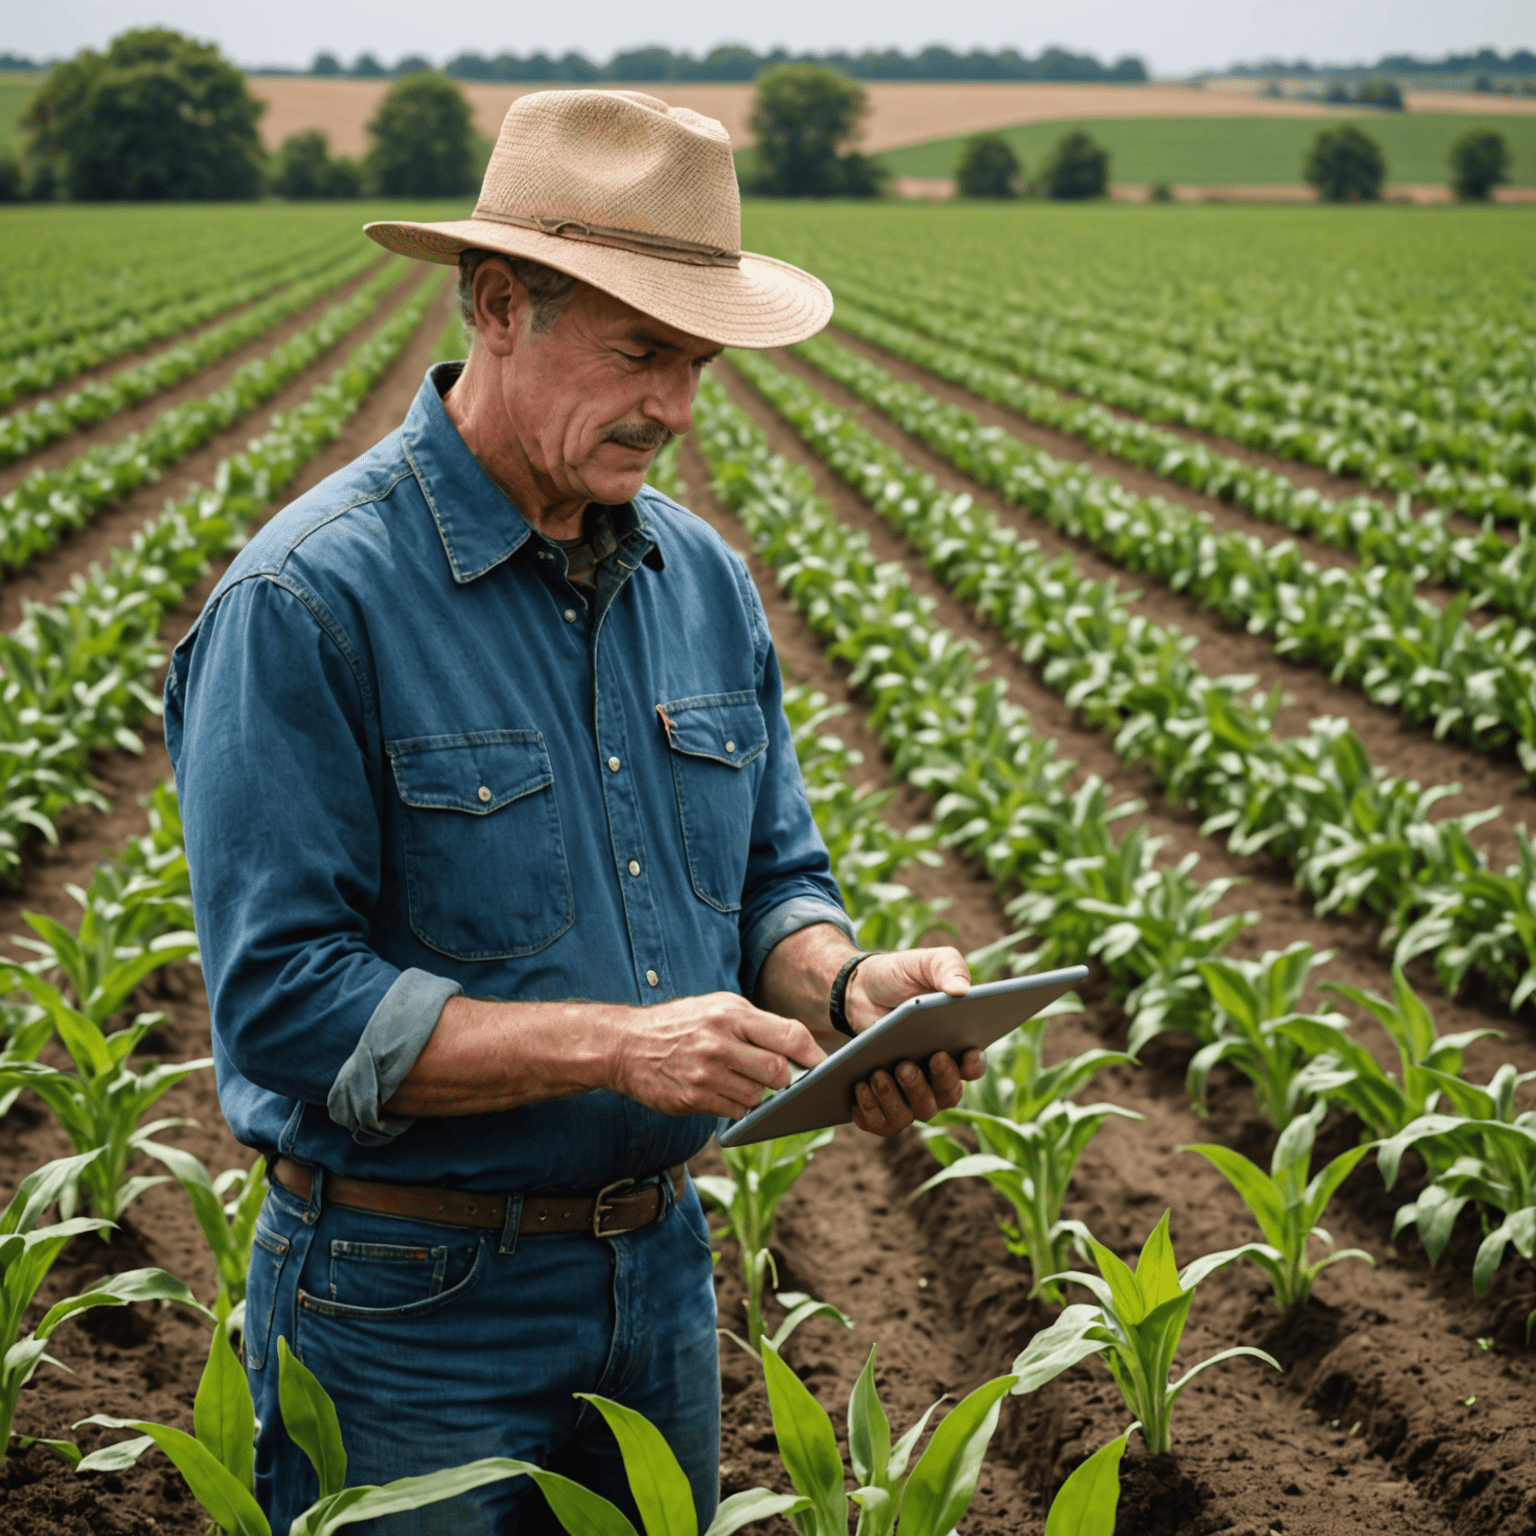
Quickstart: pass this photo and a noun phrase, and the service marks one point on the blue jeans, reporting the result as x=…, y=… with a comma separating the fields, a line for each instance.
x=444, y=1344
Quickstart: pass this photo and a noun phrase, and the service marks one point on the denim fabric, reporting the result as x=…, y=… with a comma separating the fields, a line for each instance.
x=442, y=1344
x=415, y=760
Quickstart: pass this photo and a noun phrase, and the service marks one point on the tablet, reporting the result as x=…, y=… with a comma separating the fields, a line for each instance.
x=916, y=1030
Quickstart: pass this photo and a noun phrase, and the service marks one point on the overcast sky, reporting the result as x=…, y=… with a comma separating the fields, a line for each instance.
x=1174, y=36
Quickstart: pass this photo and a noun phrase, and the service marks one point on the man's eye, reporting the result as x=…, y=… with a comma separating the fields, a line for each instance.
x=637, y=357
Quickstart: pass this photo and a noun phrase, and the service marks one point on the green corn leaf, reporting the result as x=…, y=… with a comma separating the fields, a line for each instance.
x=1086, y=1503
x=578, y=1509
x=309, y=1416
x=869, y=1430
x=116, y=1458
x=1518, y=1228
x=802, y=1309
x=1076, y=1334
x=755, y=1504
x=1327, y=1181
x=349, y=1505
x=1261, y=1253
x=223, y=1415
x=1258, y=1190
x=1232, y=991
x=1127, y=1302
x=40, y=1189
x=807, y=1444
x=901, y=1452
x=661, y=1489
x=66, y=1450
x=1157, y=1273
x=122, y=1290
x=939, y=1491
x=1216, y=1359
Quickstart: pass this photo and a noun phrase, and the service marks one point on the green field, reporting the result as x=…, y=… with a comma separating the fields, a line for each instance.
x=1237, y=151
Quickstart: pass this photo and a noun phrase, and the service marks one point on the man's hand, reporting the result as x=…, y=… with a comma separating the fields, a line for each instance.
x=710, y=1055
x=885, y=1104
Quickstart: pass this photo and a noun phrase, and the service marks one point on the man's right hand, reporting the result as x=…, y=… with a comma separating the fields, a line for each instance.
x=710, y=1055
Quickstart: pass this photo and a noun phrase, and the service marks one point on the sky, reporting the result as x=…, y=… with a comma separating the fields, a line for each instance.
x=1174, y=37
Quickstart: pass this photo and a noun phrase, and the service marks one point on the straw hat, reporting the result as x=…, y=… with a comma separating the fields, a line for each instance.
x=637, y=198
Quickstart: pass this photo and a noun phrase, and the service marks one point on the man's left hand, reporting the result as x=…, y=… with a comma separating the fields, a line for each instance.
x=888, y=1103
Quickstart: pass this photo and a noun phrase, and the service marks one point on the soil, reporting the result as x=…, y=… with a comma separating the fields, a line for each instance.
x=900, y=112
x=1369, y=1429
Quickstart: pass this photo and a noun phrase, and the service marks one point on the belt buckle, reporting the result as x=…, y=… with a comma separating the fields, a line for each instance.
x=599, y=1209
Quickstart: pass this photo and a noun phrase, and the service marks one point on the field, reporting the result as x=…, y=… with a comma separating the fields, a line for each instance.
x=1155, y=584
x=1237, y=151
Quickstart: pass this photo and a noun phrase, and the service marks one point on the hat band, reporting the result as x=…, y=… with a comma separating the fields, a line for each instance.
x=667, y=247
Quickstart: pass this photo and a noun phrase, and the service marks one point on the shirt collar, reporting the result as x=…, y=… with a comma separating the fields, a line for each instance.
x=478, y=525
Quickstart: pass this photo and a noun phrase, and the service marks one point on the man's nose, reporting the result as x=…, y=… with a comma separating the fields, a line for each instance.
x=671, y=401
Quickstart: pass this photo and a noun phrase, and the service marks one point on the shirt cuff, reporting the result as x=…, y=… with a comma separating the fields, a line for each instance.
x=391, y=1041
x=777, y=924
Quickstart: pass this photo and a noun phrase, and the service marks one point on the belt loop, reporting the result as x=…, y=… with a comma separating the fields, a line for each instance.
x=514, y=1218
x=316, y=1195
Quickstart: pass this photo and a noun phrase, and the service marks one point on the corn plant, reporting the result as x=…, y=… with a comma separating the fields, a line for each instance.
x=1030, y=1135
x=1252, y=998
x=27, y=1252
x=1484, y=1154
x=217, y=1460
x=1344, y=1072
x=763, y=1173
x=1085, y=1504
x=1287, y=1205
x=100, y=1103
x=1134, y=1329
x=927, y=1501
x=225, y=1209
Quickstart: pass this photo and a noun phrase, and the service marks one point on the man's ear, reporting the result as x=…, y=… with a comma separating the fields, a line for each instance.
x=501, y=305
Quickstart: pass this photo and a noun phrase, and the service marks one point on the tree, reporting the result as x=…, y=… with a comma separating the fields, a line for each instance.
x=156, y=116
x=803, y=115
x=326, y=64
x=988, y=167
x=1345, y=166
x=1385, y=94
x=305, y=169
x=1076, y=169
x=367, y=68
x=1479, y=163
x=423, y=140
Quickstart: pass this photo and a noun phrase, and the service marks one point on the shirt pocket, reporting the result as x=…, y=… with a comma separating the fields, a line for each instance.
x=717, y=741
x=485, y=867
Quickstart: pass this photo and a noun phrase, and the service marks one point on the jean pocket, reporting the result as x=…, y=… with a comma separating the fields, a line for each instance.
x=718, y=744
x=389, y=1280
x=269, y=1252
x=484, y=854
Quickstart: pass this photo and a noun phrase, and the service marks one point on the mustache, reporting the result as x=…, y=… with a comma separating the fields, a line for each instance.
x=641, y=435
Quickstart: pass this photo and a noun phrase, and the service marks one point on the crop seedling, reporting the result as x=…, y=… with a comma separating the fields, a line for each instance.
x=1287, y=1206
x=1486, y=1153
x=1345, y=1072
x=1086, y=1503
x=27, y=1252
x=1030, y=1136
x=763, y=1173
x=217, y=1462
x=225, y=1209
x=1253, y=997
x=928, y=1501
x=1135, y=1329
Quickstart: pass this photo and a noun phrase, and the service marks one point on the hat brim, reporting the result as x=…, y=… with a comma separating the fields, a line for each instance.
x=762, y=303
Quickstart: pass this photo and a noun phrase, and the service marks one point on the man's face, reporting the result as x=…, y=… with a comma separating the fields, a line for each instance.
x=595, y=398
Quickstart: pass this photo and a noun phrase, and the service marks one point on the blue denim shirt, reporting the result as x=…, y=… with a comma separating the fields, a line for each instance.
x=414, y=760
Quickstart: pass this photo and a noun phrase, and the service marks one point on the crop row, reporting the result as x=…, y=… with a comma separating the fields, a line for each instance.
x=1368, y=624
x=41, y=353
x=51, y=502
x=1355, y=836
x=26, y=431
x=1496, y=573
x=77, y=676
x=1506, y=487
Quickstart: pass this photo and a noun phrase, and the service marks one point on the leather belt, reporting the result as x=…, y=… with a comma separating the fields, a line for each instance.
x=614, y=1209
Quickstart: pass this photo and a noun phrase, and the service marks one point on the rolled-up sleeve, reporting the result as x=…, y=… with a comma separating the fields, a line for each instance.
x=789, y=883
x=270, y=723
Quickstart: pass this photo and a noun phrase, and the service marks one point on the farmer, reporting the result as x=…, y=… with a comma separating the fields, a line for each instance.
x=506, y=882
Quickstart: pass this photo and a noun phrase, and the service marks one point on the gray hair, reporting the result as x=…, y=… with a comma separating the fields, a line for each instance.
x=548, y=291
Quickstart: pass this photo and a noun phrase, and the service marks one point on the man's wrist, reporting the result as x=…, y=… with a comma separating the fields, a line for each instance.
x=837, y=999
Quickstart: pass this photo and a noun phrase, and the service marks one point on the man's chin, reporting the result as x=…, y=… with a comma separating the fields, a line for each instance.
x=615, y=486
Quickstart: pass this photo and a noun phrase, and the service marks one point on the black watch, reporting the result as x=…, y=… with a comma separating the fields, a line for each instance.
x=837, y=1002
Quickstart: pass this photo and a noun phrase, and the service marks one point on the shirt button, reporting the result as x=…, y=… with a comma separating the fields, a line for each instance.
x=613, y=765
x=730, y=746
x=653, y=978
x=570, y=615
x=485, y=794
x=634, y=866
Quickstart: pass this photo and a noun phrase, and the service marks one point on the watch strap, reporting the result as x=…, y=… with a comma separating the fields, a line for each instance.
x=837, y=1003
